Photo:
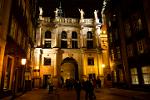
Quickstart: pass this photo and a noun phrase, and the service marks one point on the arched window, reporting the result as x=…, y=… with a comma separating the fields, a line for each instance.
x=63, y=35
x=48, y=34
x=89, y=35
x=74, y=35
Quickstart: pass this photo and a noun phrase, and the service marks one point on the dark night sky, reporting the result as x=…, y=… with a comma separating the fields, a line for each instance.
x=70, y=7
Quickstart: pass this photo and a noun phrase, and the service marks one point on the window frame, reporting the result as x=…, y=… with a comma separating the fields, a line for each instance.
x=48, y=62
x=90, y=61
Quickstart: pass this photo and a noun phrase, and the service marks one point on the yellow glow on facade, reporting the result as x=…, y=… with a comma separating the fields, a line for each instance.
x=23, y=61
x=103, y=65
x=104, y=32
x=37, y=67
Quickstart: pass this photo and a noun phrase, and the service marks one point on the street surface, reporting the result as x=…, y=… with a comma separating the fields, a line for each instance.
x=101, y=94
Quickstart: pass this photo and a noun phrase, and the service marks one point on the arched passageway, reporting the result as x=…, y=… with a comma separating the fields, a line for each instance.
x=69, y=69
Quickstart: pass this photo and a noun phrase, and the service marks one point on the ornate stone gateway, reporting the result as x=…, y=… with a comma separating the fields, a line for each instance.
x=69, y=69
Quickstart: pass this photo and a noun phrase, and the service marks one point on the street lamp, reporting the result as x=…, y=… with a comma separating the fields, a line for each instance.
x=23, y=63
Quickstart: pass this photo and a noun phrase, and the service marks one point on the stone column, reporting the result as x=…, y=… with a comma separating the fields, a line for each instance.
x=83, y=62
x=56, y=37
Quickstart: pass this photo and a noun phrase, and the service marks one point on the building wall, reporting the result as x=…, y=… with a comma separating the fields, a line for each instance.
x=5, y=6
x=128, y=31
x=16, y=42
x=57, y=54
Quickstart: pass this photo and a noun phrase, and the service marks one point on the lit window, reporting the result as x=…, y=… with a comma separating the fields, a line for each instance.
x=146, y=74
x=140, y=46
x=134, y=76
x=91, y=61
x=47, y=61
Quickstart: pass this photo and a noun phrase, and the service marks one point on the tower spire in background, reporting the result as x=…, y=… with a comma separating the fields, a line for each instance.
x=60, y=12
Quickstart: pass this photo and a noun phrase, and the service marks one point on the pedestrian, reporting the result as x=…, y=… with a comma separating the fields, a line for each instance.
x=98, y=82
x=89, y=90
x=78, y=88
x=62, y=82
x=50, y=84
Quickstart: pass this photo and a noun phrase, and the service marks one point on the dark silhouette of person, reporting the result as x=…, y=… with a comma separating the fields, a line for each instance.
x=78, y=89
x=50, y=84
x=98, y=82
x=89, y=90
x=62, y=81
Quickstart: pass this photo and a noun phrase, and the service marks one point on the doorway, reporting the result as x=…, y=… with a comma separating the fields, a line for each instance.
x=45, y=80
x=69, y=69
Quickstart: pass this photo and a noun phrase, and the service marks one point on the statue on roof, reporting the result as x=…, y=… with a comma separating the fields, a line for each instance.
x=96, y=16
x=81, y=13
x=41, y=11
x=56, y=12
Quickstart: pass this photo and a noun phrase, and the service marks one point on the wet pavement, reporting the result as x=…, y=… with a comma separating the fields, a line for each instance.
x=101, y=94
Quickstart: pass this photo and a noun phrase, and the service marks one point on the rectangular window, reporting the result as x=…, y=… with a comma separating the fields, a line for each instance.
x=47, y=44
x=91, y=61
x=134, y=76
x=146, y=74
x=47, y=61
x=74, y=44
x=63, y=44
x=140, y=46
x=89, y=44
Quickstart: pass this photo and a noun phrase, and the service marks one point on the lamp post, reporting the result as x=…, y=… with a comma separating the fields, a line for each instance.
x=23, y=63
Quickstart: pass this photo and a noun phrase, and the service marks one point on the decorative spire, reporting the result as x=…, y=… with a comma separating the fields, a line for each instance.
x=60, y=13
x=60, y=5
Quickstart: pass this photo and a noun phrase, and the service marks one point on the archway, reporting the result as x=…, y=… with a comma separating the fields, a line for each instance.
x=69, y=69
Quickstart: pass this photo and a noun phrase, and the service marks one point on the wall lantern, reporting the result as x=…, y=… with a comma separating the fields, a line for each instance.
x=23, y=61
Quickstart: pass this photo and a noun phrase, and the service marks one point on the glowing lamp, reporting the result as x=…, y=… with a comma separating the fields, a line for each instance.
x=103, y=65
x=23, y=61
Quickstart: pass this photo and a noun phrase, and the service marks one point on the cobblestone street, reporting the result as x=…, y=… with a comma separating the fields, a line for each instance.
x=101, y=94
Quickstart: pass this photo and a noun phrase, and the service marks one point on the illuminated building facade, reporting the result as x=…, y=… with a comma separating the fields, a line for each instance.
x=129, y=49
x=70, y=48
x=17, y=33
